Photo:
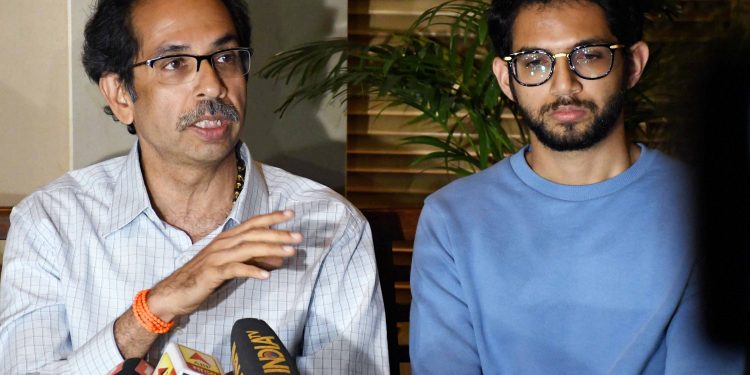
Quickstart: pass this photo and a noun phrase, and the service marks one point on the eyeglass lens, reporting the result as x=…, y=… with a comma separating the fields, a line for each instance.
x=183, y=68
x=589, y=62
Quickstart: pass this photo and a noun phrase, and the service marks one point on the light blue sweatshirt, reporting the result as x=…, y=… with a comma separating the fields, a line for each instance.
x=514, y=274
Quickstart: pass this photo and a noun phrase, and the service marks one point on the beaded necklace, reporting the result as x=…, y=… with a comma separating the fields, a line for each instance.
x=240, y=182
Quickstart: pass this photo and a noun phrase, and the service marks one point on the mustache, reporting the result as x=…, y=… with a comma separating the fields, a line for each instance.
x=567, y=100
x=212, y=107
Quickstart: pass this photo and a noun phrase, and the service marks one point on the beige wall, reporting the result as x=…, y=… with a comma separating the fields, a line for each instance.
x=34, y=105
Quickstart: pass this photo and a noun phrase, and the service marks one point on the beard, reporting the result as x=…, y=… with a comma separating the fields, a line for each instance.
x=570, y=136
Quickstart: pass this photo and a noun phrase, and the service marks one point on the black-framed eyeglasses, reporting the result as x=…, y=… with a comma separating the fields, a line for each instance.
x=535, y=67
x=182, y=68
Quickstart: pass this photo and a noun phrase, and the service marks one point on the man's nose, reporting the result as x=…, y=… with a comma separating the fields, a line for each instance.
x=564, y=81
x=208, y=80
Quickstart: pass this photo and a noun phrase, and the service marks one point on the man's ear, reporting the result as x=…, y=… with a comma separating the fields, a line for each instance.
x=502, y=74
x=638, y=58
x=117, y=96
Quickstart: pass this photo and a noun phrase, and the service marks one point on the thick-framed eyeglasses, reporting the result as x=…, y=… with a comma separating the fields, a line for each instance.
x=535, y=67
x=175, y=69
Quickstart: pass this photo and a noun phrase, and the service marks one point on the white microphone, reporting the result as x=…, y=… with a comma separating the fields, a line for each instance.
x=181, y=360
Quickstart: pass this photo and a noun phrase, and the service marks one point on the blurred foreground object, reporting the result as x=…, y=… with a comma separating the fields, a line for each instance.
x=721, y=138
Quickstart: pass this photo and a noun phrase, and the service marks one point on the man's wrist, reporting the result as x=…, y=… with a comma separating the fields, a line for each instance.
x=159, y=307
x=131, y=338
x=146, y=318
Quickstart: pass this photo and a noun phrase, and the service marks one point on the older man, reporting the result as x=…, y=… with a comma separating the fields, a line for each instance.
x=185, y=234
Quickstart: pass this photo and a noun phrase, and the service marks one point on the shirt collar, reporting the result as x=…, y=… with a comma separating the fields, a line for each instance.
x=253, y=199
x=130, y=197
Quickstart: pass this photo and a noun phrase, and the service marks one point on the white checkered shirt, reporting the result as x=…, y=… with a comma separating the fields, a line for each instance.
x=81, y=248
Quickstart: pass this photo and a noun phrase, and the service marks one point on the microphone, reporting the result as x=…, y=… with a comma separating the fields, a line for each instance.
x=181, y=360
x=257, y=350
x=133, y=366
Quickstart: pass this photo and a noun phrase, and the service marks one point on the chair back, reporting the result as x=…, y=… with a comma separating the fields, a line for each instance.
x=393, y=232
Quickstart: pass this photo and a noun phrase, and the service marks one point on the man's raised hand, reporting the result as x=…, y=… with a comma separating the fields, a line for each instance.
x=250, y=249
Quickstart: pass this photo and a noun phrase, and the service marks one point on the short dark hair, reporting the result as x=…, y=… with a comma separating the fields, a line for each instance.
x=624, y=17
x=110, y=44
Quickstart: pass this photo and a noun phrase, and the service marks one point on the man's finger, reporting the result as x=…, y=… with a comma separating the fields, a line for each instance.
x=272, y=236
x=262, y=221
x=235, y=270
x=267, y=263
x=246, y=251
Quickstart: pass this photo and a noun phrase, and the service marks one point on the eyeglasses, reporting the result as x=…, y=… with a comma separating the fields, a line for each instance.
x=176, y=69
x=533, y=68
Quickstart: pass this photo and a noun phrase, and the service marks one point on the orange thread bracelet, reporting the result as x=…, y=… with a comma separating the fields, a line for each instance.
x=146, y=318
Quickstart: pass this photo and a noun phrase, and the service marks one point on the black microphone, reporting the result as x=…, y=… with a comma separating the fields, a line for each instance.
x=133, y=366
x=257, y=350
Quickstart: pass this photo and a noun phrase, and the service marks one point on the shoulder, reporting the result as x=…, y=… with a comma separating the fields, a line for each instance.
x=91, y=183
x=476, y=187
x=665, y=164
x=667, y=173
x=287, y=190
x=55, y=211
x=460, y=206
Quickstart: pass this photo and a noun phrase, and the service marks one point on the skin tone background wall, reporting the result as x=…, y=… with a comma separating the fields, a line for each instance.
x=34, y=94
x=50, y=113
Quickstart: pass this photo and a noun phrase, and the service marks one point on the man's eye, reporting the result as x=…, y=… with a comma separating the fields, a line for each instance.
x=592, y=56
x=173, y=63
x=229, y=57
x=589, y=55
x=534, y=61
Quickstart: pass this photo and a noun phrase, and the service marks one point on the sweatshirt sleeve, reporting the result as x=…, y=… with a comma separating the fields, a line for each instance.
x=441, y=336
